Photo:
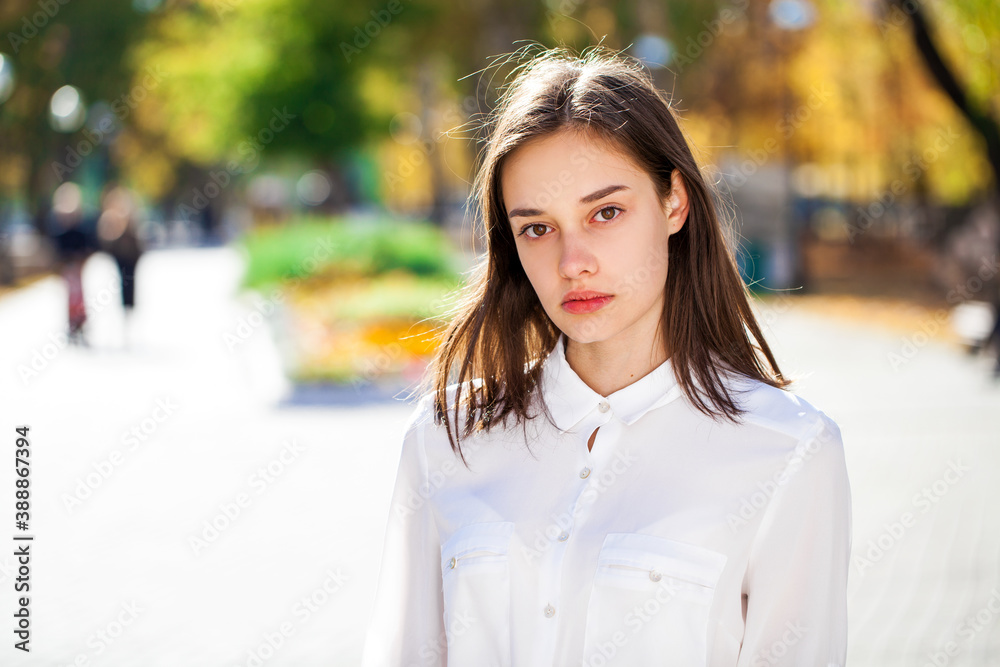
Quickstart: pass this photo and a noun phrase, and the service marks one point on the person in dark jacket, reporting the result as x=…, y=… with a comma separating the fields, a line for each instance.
x=116, y=229
x=73, y=246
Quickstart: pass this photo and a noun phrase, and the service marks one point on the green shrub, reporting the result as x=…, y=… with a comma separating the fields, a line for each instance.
x=308, y=246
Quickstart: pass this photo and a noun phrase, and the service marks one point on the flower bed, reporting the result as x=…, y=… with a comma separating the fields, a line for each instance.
x=362, y=300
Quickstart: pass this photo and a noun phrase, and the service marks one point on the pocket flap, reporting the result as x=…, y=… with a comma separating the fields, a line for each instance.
x=492, y=536
x=679, y=560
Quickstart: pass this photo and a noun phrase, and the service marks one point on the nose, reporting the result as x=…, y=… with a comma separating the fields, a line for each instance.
x=576, y=255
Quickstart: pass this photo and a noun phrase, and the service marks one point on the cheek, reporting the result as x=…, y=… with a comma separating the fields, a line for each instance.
x=641, y=263
x=536, y=268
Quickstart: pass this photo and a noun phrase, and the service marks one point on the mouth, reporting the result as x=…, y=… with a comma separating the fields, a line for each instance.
x=585, y=302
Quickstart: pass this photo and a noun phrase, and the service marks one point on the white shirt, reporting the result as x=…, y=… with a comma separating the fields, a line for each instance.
x=678, y=540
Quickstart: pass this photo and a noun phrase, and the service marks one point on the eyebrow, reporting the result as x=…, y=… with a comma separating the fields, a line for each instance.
x=587, y=199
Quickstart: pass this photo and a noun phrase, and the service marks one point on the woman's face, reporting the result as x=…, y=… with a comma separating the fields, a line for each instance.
x=592, y=235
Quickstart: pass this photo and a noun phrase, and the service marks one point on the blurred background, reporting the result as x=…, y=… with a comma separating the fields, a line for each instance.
x=229, y=230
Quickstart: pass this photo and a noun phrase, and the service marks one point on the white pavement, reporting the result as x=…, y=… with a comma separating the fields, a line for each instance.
x=311, y=485
x=137, y=450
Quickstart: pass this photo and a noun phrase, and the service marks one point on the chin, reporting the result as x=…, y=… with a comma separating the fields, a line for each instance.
x=584, y=331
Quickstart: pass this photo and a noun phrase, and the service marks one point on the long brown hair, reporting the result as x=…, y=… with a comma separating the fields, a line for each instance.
x=499, y=328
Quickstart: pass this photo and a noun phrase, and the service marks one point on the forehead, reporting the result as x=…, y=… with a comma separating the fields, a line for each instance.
x=565, y=166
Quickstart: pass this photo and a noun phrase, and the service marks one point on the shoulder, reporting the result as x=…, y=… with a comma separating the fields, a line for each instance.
x=783, y=412
x=796, y=436
x=424, y=410
x=421, y=411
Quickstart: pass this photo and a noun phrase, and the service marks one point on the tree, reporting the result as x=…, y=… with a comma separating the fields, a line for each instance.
x=976, y=111
x=51, y=46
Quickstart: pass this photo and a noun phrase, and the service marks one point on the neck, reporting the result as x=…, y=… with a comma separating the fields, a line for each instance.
x=607, y=366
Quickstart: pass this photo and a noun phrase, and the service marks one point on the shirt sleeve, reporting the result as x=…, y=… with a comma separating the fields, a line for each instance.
x=407, y=625
x=796, y=582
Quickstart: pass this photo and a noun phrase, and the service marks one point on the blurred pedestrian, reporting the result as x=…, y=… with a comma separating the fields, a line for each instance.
x=116, y=230
x=73, y=246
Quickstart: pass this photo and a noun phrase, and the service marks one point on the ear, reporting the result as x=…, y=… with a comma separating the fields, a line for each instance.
x=677, y=204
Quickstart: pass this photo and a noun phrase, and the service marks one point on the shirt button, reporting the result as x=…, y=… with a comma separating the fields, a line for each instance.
x=563, y=536
x=452, y=563
x=654, y=575
x=550, y=611
x=603, y=406
x=585, y=473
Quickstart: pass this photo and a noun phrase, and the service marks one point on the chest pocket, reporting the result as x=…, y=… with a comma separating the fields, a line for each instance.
x=650, y=602
x=476, y=586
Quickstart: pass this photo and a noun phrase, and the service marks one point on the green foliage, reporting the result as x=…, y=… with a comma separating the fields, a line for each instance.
x=340, y=247
x=231, y=63
x=342, y=71
x=967, y=31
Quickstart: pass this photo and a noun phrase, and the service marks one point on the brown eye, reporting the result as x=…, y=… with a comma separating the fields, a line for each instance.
x=538, y=229
x=603, y=213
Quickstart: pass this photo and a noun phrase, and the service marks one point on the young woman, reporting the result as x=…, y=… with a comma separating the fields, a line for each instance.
x=609, y=469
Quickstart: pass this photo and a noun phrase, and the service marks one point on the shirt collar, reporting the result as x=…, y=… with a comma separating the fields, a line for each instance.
x=570, y=399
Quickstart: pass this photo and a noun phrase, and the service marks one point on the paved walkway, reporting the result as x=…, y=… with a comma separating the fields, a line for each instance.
x=186, y=514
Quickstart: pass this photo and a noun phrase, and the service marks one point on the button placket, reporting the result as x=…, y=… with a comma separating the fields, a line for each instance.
x=600, y=423
x=555, y=553
x=607, y=447
x=603, y=407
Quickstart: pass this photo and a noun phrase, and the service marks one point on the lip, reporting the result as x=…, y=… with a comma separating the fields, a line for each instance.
x=585, y=301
